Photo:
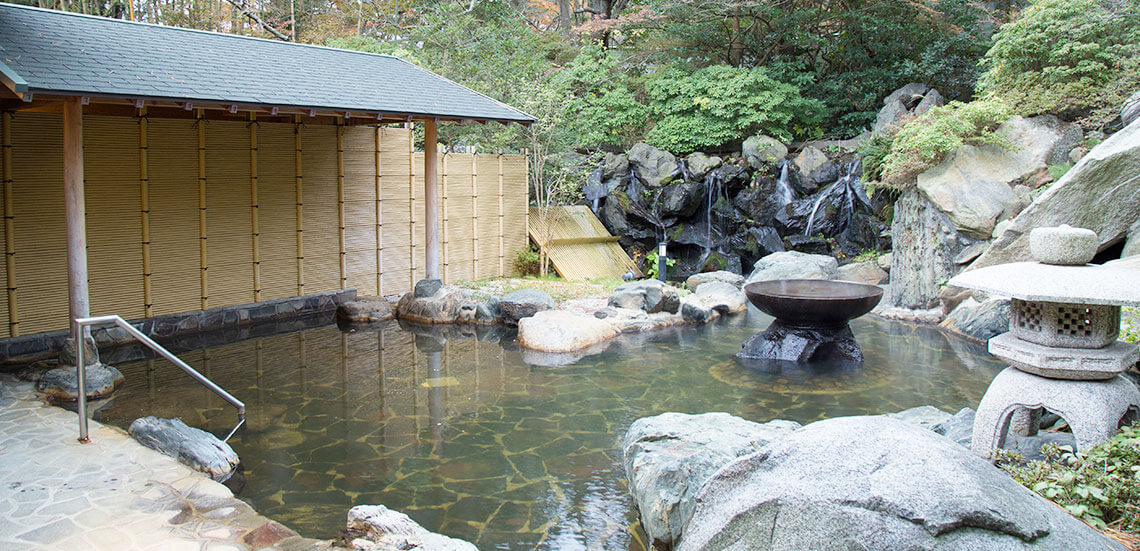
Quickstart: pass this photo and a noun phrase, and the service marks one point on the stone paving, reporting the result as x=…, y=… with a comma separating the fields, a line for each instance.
x=112, y=493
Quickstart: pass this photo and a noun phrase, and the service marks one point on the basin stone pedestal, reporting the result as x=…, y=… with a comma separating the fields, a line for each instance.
x=1061, y=346
x=811, y=319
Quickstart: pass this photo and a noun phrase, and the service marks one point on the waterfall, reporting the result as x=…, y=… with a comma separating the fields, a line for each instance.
x=784, y=192
x=851, y=188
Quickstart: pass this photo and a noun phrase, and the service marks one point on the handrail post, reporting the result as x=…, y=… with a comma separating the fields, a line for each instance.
x=81, y=375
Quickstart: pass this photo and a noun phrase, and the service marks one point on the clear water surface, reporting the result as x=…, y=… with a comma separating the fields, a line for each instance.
x=455, y=428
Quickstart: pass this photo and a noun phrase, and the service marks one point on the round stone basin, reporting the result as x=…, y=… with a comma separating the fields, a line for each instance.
x=813, y=302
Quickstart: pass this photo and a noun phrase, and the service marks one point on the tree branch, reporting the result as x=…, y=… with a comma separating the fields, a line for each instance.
x=241, y=5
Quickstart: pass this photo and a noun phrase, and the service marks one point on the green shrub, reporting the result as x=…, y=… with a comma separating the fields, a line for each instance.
x=719, y=104
x=1101, y=486
x=651, y=264
x=527, y=261
x=925, y=141
x=1078, y=59
x=603, y=109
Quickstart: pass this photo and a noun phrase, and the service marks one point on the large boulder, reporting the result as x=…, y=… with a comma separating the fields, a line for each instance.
x=649, y=295
x=867, y=272
x=365, y=309
x=524, y=303
x=444, y=306
x=814, y=169
x=700, y=164
x=713, y=299
x=875, y=483
x=654, y=166
x=378, y=528
x=897, y=106
x=694, y=281
x=563, y=331
x=669, y=456
x=1099, y=193
x=680, y=199
x=794, y=265
x=973, y=185
x=62, y=383
x=193, y=447
x=979, y=321
x=761, y=150
x=926, y=245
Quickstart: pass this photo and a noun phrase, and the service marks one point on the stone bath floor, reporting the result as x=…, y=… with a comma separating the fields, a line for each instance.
x=112, y=493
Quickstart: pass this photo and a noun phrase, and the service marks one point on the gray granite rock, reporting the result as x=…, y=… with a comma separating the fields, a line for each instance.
x=867, y=272
x=814, y=168
x=1063, y=245
x=668, y=457
x=563, y=331
x=713, y=299
x=696, y=280
x=1099, y=193
x=794, y=265
x=875, y=483
x=926, y=245
x=62, y=383
x=192, y=447
x=524, y=303
x=655, y=167
x=884, y=261
x=926, y=417
x=443, y=306
x=378, y=528
x=427, y=287
x=700, y=164
x=365, y=309
x=929, y=101
x=1130, y=110
x=1091, y=364
x=898, y=104
x=649, y=295
x=979, y=320
x=761, y=150
x=488, y=311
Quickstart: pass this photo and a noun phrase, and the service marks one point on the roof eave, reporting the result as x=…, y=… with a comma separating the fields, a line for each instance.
x=13, y=80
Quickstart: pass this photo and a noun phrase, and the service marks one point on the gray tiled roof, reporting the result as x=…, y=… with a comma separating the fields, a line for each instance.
x=59, y=52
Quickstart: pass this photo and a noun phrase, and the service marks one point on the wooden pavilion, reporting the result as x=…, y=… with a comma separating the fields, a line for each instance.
x=152, y=170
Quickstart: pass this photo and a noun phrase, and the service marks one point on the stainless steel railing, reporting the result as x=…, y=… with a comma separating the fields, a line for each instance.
x=78, y=328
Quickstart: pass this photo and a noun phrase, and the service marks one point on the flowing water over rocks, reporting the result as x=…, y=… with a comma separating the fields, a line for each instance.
x=453, y=428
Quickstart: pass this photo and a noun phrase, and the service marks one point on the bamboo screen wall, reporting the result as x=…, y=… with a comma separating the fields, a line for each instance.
x=185, y=215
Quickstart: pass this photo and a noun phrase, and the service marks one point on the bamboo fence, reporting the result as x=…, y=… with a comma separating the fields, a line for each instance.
x=188, y=214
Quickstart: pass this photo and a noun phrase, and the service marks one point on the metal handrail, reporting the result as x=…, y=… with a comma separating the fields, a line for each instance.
x=77, y=328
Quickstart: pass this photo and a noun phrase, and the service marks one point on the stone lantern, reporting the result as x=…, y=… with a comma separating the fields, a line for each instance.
x=1061, y=344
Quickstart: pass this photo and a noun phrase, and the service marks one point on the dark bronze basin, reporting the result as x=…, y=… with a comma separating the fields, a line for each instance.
x=813, y=302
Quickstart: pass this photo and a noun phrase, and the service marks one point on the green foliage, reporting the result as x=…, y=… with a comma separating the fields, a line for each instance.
x=1100, y=486
x=605, y=110
x=1130, y=329
x=1076, y=58
x=1059, y=169
x=866, y=255
x=651, y=264
x=716, y=105
x=527, y=261
x=924, y=142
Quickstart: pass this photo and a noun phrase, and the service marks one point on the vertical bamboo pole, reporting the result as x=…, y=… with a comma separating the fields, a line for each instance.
x=254, y=224
x=411, y=204
x=144, y=209
x=474, y=216
x=501, y=272
x=9, y=225
x=431, y=197
x=340, y=201
x=299, y=191
x=202, y=257
x=79, y=302
x=446, y=226
x=379, y=217
x=526, y=211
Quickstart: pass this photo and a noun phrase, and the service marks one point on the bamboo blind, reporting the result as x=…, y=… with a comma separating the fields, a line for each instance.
x=580, y=247
x=144, y=199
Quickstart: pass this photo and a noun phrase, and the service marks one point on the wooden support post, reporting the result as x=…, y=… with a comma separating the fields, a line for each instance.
x=202, y=258
x=299, y=191
x=431, y=197
x=79, y=303
x=411, y=203
x=9, y=225
x=526, y=216
x=474, y=216
x=446, y=273
x=144, y=209
x=501, y=252
x=254, y=222
x=340, y=202
x=379, y=215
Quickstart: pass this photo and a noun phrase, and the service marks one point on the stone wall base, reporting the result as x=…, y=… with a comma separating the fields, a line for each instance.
x=188, y=330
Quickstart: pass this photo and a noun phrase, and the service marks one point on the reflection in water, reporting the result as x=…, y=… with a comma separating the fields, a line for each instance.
x=452, y=425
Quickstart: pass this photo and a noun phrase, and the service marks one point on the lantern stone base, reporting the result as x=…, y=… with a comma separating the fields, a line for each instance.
x=1065, y=363
x=1094, y=410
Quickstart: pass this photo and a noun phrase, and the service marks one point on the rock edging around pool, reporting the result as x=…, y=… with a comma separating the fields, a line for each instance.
x=713, y=481
x=580, y=324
